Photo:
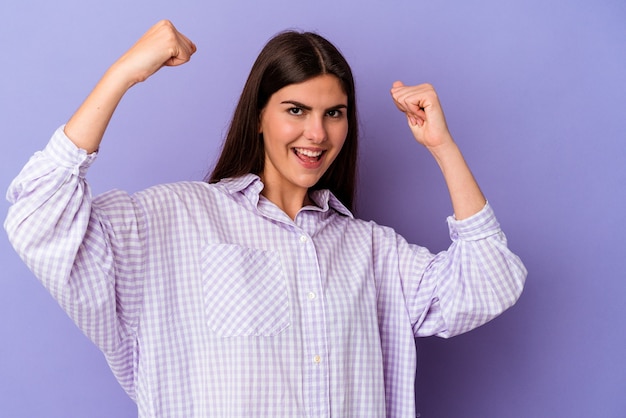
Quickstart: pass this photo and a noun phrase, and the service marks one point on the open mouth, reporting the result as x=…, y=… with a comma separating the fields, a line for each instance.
x=308, y=155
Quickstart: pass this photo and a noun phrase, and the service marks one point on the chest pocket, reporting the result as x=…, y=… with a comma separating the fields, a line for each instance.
x=244, y=291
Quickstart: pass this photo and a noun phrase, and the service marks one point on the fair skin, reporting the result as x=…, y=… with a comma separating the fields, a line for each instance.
x=425, y=117
x=163, y=45
x=304, y=126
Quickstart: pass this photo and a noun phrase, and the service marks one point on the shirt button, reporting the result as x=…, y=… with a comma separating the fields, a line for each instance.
x=303, y=238
x=317, y=359
x=311, y=295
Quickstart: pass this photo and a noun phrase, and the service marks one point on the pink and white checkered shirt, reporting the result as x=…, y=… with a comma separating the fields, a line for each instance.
x=209, y=301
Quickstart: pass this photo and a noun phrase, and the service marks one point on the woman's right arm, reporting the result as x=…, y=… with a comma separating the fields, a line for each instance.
x=162, y=45
x=88, y=252
x=52, y=216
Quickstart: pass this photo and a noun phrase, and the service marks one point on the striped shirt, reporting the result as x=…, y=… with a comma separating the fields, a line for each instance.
x=209, y=301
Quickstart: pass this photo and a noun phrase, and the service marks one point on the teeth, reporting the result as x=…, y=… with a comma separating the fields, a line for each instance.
x=308, y=153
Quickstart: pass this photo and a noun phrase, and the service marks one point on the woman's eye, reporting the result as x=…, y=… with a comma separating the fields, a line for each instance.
x=335, y=113
x=295, y=111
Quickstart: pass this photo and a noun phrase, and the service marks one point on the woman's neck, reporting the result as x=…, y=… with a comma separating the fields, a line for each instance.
x=289, y=200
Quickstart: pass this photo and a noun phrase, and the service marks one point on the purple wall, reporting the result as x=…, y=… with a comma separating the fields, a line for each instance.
x=534, y=94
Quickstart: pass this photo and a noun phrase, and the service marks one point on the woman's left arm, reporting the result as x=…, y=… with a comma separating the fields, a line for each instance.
x=478, y=277
x=425, y=116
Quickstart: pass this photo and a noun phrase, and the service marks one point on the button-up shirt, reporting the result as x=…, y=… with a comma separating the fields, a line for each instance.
x=208, y=301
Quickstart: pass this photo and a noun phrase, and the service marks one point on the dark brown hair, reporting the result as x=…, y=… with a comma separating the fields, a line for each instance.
x=289, y=58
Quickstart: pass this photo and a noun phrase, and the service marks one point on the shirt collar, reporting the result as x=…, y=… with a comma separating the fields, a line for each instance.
x=324, y=199
x=250, y=185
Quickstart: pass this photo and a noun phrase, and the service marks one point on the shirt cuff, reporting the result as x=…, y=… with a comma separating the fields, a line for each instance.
x=66, y=154
x=478, y=226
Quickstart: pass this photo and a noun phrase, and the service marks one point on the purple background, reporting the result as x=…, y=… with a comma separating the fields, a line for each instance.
x=534, y=94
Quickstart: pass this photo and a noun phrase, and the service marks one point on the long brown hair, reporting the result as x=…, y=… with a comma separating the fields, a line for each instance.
x=289, y=58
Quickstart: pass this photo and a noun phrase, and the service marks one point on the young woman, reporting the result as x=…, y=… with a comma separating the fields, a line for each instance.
x=258, y=293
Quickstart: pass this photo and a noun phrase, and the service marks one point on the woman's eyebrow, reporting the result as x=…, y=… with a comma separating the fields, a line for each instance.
x=305, y=107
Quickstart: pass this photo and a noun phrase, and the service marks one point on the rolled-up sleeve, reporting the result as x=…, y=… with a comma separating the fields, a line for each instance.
x=473, y=281
x=86, y=252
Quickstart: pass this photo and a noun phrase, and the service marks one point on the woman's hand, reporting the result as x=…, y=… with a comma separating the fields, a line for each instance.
x=424, y=114
x=162, y=45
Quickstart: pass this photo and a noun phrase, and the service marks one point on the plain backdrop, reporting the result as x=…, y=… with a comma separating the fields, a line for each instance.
x=534, y=94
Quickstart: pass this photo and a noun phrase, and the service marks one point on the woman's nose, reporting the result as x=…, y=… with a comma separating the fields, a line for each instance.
x=315, y=130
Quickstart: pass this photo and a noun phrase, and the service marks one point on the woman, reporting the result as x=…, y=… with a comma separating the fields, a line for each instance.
x=258, y=294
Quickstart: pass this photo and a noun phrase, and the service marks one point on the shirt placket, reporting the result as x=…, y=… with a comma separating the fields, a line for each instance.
x=316, y=373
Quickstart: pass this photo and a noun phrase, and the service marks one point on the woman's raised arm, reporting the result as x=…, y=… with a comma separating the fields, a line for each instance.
x=162, y=45
x=425, y=116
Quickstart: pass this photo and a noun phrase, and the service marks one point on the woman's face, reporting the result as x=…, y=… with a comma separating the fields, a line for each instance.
x=304, y=126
